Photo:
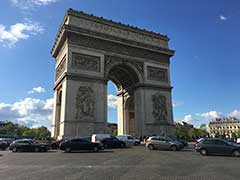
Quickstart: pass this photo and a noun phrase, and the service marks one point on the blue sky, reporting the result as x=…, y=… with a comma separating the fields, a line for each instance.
x=204, y=71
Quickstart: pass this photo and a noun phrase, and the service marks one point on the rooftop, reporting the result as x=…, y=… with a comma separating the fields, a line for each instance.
x=225, y=120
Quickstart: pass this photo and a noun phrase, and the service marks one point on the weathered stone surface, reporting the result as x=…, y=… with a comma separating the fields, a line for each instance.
x=94, y=52
x=85, y=62
x=157, y=74
x=85, y=103
x=159, y=107
x=61, y=68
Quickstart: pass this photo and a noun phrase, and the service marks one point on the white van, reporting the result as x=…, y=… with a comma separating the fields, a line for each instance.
x=100, y=137
x=128, y=139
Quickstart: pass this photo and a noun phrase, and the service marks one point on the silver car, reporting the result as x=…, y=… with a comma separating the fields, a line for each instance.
x=164, y=143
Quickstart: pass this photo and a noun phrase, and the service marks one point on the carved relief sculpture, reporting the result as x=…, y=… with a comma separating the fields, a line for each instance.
x=157, y=74
x=61, y=68
x=85, y=102
x=86, y=62
x=154, y=40
x=159, y=111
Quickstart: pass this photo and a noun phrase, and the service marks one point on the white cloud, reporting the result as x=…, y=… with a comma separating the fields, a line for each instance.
x=19, y=31
x=222, y=18
x=30, y=4
x=202, y=118
x=235, y=113
x=112, y=101
x=38, y=89
x=188, y=118
x=30, y=112
x=210, y=115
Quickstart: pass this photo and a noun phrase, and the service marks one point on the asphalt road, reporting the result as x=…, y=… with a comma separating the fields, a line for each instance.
x=137, y=163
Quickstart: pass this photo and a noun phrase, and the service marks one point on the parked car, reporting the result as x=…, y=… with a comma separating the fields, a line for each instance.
x=80, y=144
x=3, y=145
x=55, y=144
x=164, y=143
x=136, y=141
x=27, y=145
x=8, y=140
x=100, y=137
x=183, y=141
x=113, y=142
x=127, y=139
x=217, y=146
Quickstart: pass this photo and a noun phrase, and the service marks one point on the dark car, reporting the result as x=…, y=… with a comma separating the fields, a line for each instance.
x=181, y=140
x=3, y=145
x=27, y=145
x=56, y=144
x=217, y=146
x=113, y=142
x=80, y=144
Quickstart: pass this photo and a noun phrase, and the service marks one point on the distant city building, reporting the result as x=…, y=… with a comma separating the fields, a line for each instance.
x=224, y=127
x=183, y=125
x=112, y=128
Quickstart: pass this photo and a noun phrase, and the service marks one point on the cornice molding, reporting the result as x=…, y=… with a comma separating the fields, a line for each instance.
x=111, y=30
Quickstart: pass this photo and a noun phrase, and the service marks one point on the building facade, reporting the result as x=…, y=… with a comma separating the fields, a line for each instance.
x=183, y=125
x=224, y=127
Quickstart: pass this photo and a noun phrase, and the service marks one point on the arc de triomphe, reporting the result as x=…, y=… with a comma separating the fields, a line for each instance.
x=91, y=50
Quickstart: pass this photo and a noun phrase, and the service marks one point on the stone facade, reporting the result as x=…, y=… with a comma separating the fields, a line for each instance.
x=224, y=127
x=89, y=51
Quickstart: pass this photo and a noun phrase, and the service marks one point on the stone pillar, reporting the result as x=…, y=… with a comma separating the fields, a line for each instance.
x=139, y=111
x=54, y=133
x=158, y=112
x=85, y=109
x=120, y=114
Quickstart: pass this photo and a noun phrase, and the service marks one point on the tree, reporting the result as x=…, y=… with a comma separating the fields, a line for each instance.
x=203, y=127
x=192, y=133
x=179, y=132
x=11, y=129
x=42, y=132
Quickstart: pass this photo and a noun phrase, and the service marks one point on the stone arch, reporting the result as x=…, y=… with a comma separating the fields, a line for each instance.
x=89, y=51
x=133, y=71
x=125, y=76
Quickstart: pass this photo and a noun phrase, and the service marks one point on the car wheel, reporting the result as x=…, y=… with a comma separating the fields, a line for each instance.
x=36, y=149
x=43, y=150
x=236, y=153
x=122, y=145
x=105, y=146
x=151, y=147
x=68, y=150
x=173, y=148
x=95, y=149
x=203, y=152
x=14, y=149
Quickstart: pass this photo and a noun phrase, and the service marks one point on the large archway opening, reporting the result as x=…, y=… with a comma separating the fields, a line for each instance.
x=121, y=87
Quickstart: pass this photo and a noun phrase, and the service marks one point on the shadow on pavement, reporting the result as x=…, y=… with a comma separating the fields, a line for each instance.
x=99, y=152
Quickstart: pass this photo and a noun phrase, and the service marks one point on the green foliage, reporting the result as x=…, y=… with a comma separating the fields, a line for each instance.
x=12, y=129
x=234, y=135
x=191, y=133
x=238, y=134
x=179, y=132
x=203, y=127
